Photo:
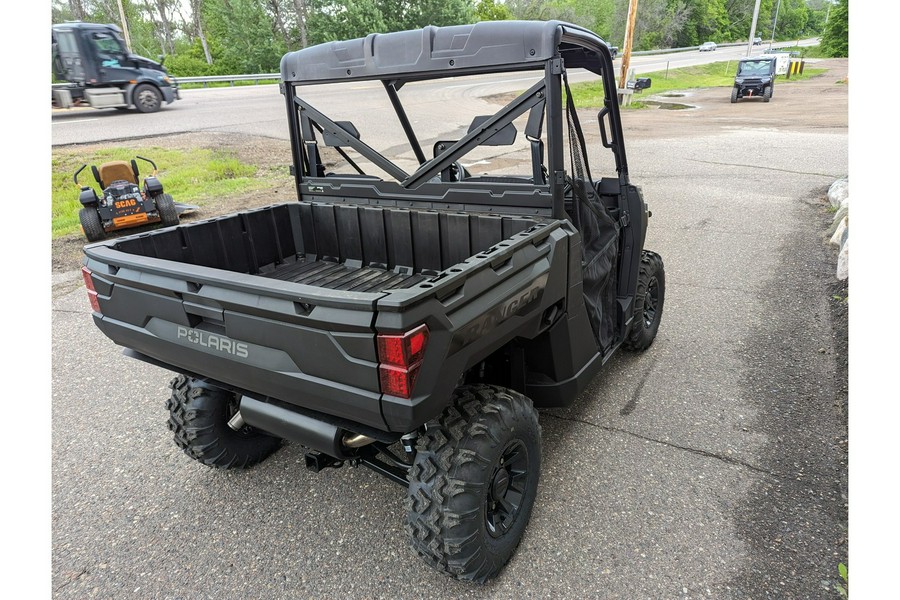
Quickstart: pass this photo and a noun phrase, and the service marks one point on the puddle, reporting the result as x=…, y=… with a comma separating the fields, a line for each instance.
x=669, y=105
x=672, y=95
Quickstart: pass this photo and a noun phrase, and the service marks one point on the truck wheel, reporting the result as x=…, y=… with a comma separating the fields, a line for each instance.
x=90, y=224
x=168, y=214
x=648, y=303
x=474, y=481
x=767, y=93
x=734, y=94
x=198, y=416
x=146, y=98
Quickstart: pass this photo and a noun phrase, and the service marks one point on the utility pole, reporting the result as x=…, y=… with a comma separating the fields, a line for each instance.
x=777, y=8
x=124, y=26
x=753, y=28
x=629, y=34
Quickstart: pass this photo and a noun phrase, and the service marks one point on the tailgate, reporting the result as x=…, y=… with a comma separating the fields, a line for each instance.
x=309, y=346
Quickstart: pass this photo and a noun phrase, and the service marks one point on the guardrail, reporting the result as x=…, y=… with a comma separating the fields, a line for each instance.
x=228, y=78
x=257, y=77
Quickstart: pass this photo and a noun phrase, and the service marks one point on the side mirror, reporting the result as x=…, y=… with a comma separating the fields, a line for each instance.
x=161, y=59
x=642, y=83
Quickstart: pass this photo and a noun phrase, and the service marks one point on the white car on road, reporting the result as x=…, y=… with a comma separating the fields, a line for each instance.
x=707, y=47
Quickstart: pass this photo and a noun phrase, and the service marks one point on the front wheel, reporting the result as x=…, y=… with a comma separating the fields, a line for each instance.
x=198, y=417
x=648, y=303
x=734, y=95
x=473, y=483
x=767, y=93
x=90, y=224
x=168, y=214
x=147, y=98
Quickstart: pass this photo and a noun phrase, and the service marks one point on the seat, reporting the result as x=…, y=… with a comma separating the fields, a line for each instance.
x=116, y=170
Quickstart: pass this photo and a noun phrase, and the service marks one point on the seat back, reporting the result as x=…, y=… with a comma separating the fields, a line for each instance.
x=116, y=170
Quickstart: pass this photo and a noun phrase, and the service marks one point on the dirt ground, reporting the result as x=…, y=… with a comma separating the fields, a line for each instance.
x=710, y=110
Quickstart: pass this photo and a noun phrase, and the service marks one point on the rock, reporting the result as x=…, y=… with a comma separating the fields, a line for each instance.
x=844, y=218
x=845, y=203
x=843, y=267
x=839, y=190
x=838, y=235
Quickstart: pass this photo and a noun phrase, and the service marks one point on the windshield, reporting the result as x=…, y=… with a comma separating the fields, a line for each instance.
x=754, y=68
x=107, y=45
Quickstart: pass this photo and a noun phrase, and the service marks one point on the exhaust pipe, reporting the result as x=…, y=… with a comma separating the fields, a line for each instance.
x=357, y=440
x=237, y=421
x=297, y=427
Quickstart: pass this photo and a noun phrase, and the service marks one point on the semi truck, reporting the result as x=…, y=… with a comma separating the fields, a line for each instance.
x=99, y=71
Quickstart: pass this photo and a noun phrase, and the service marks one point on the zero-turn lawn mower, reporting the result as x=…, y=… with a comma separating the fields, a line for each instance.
x=123, y=203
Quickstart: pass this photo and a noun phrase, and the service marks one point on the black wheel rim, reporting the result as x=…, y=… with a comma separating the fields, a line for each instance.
x=148, y=99
x=651, y=302
x=506, y=491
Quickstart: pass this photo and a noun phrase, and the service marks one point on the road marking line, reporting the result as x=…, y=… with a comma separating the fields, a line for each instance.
x=76, y=121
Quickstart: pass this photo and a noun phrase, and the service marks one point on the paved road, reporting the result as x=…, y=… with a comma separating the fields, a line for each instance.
x=260, y=110
x=709, y=467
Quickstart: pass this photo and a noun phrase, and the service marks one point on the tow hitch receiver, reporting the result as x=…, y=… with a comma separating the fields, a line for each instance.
x=316, y=461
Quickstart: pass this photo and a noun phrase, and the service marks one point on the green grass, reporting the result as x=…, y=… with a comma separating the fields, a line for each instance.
x=190, y=176
x=718, y=74
x=807, y=51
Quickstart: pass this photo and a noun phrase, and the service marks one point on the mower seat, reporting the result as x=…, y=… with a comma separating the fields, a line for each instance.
x=116, y=170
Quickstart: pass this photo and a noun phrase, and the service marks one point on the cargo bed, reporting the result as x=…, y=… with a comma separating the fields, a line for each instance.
x=289, y=297
x=336, y=247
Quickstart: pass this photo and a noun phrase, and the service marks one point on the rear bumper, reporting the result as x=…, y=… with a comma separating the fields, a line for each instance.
x=274, y=374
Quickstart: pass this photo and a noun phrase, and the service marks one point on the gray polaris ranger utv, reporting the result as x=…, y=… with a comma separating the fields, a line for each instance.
x=427, y=292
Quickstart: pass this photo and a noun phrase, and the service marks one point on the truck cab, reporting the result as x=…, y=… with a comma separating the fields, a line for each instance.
x=101, y=72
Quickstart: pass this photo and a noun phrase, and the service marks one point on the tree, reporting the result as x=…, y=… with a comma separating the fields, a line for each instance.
x=488, y=10
x=331, y=20
x=301, y=7
x=835, y=40
x=197, y=15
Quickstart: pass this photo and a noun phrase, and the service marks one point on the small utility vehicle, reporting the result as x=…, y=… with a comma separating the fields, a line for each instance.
x=122, y=202
x=410, y=312
x=755, y=78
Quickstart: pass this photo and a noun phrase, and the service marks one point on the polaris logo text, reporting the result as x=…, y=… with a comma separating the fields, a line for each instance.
x=213, y=341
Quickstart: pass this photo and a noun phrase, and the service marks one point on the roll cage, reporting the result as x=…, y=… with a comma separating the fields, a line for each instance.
x=431, y=53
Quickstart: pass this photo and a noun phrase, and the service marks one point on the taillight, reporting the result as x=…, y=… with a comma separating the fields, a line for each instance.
x=89, y=284
x=401, y=357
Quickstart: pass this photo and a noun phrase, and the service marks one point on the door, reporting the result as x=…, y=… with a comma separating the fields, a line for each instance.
x=67, y=60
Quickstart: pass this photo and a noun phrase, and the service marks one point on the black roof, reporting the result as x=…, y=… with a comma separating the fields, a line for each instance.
x=434, y=51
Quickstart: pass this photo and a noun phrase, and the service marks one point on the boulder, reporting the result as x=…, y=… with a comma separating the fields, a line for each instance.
x=838, y=191
x=839, y=217
x=843, y=266
x=838, y=237
x=836, y=229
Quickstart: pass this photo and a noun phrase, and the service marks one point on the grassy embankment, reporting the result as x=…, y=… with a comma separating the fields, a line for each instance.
x=718, y=74
x=190, y=176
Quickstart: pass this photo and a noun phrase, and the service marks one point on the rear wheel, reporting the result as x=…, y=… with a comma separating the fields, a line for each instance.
x=734, y=95
x=199, y=415
x=147, y=98
x=473, y=483
x=648, y=303
x=90, y=224
x=168, y=214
